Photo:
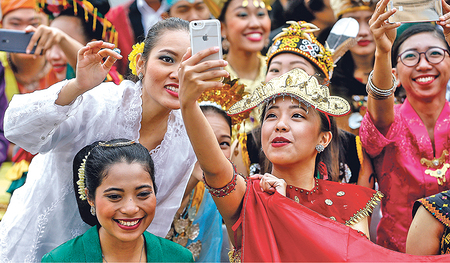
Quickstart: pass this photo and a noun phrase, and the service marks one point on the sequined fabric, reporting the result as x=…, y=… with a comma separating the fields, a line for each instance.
x=401, y=177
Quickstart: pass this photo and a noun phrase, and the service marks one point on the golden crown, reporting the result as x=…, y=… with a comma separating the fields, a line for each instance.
x=226, y=96
x=341, y=7
x=299, y=38
x=216, y=6
x=297, y=84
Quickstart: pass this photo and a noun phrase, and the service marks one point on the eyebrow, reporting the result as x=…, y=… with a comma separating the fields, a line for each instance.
x=121, y=190
x=168, y=51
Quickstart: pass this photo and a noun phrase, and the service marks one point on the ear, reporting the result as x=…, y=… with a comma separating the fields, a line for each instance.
x=90, y=201
x=223, y=29
x=140, y=63
x=394, y=71
x=325, y=138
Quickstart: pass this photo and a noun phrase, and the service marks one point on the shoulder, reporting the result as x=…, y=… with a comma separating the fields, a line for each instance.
x=72, y=250
x=437, y=205
x=170, y=251
x=355, y=201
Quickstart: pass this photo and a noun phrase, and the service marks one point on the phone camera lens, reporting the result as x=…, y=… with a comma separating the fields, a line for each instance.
x=195, y=24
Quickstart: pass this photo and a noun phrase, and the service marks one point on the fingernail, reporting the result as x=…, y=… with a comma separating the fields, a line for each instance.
x=216, y=48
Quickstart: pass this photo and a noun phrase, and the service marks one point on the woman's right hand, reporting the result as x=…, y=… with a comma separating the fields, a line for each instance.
x=383, y=32
x=270, y=183
x=94, y=62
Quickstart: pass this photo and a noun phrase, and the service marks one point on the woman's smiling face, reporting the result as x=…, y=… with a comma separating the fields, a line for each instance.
x=125, y=202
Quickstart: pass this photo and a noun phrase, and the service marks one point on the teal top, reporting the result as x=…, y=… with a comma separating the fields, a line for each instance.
x=86, y=248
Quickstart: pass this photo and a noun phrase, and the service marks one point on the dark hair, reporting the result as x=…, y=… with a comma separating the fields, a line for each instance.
x=210, y=108
x=414, y=30
x=330, y=156
x=98, y=161
x=155, y=33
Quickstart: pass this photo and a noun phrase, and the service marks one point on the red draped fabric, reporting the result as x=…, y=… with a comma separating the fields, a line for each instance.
x=275, y=228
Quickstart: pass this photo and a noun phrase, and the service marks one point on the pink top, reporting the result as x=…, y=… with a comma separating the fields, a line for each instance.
x=401, y=176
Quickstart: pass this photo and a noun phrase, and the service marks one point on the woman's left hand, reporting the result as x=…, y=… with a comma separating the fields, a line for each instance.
x=270, y=183
x=196, y=76
x=444, y=20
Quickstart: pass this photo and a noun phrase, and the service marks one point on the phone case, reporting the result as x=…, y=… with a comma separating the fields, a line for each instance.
x=206, y=34
x=14, y=41
x=410, y=11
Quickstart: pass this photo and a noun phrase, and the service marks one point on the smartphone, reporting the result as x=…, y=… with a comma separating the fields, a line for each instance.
x=206, y=34
x=15, y=41
x=411, y=11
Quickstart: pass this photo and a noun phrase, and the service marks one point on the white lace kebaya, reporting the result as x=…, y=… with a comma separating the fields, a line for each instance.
x=43, y=213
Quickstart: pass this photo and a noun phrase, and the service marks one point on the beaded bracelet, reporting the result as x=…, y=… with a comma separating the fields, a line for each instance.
x=380, y=94
x=227, y=189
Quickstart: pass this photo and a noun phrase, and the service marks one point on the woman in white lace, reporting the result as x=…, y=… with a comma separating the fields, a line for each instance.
x=59, y=121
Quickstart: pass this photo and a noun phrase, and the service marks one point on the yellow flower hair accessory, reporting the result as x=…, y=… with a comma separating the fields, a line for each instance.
x=137, y=48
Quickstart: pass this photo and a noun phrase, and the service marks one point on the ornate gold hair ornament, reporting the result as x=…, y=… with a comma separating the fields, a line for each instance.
x=216, y=6
x=226, y=96
x=81, y=171
x=296, y=84
x=341, y=7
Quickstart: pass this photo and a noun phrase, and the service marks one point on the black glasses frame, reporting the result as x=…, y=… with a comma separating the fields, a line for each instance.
x=426, y=57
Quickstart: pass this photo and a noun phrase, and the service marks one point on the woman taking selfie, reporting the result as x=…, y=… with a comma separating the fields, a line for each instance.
x=62, y=119
x=409, y=142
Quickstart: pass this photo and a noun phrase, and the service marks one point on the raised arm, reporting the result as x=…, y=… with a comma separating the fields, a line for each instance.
x=92, y=69
x=218, y=171
x=444, y=20
x=382, y=109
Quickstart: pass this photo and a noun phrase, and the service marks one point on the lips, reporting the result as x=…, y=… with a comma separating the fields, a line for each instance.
x=128, y=224
x=58, y=68
x=254, y=36
x=280, y=141
x=363, y=43
x=424, y=79
x=172, y=89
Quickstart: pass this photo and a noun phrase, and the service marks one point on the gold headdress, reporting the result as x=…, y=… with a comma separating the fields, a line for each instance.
x=216, y=6
x=55, y=7
x=297, y=84
x=298, y=38
x=230, y=93
x=341, y=7
x=81, y=171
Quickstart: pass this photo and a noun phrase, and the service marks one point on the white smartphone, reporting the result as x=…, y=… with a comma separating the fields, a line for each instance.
x=206, y=34
x=410, y=11
x=15, y=41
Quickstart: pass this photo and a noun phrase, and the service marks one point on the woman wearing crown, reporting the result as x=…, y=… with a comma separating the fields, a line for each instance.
x=297, y=128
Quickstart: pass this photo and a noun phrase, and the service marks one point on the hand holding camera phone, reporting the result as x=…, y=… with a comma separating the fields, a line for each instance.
x=15, y=41
x=206, y=34
x=410, y=11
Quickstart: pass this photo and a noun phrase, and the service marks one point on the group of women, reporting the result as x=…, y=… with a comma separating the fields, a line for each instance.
x=131, y=197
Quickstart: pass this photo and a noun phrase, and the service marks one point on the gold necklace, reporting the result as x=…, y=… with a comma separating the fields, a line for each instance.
x=140, y=257
x=438, y=173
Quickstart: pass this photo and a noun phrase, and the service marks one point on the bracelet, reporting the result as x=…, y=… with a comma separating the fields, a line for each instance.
x=227, y=189
x=380, y=94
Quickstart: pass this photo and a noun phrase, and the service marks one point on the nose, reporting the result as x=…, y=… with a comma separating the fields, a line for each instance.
x=174, y=74
x=254, y=21
x=54, y=53
x=194, y=15
x=281, y=125
x=129, y=207
x=364, y=29
x=423, y=63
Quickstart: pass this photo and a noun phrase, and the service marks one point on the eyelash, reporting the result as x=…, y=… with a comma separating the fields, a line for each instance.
x=164, y=59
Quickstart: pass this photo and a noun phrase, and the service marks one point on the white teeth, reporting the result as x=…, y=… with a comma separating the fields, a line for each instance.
x=424, y=80
x=128, y=223
x=254, y=35
x=172, y=88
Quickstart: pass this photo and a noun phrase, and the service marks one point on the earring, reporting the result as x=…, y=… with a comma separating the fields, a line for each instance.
x=225, y=44
x=93, y=210
x=320, y=148
x=140, y=75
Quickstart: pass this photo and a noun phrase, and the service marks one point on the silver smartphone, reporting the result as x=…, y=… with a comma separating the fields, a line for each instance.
x=410, y=11
x=15, y=41
x=206, y=34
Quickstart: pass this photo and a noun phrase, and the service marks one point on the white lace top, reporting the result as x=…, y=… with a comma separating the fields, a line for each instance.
x=43, y=213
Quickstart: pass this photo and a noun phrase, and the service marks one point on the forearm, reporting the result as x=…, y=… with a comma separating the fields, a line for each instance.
x=70, y=48
x=382, y=111
x=217, y=169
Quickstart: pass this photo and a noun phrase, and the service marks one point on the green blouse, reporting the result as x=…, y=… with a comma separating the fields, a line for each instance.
x=86, y=248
